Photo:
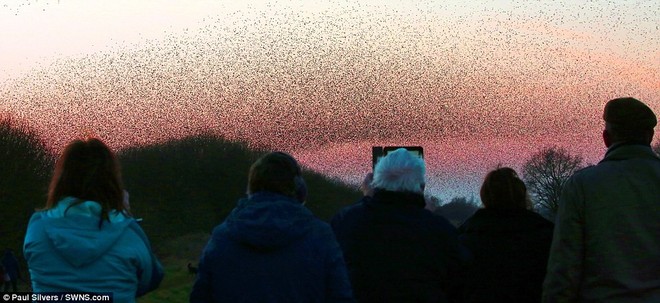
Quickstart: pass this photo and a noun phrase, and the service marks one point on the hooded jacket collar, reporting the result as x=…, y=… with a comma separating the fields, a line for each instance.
x=75, y=233
x=624, y=151
x=267, y=221
x=89, y=209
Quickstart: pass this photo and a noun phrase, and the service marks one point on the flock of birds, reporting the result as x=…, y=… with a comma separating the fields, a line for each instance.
x=477, y=88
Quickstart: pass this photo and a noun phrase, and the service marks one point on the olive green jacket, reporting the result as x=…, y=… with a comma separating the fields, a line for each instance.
x=606, y=245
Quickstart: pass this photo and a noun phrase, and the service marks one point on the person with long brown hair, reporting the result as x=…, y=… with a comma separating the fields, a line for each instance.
x=85, y=238
x=510, y=243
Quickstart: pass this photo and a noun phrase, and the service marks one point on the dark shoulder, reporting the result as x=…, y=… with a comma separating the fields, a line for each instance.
x=510, y=220
x=480, y=217
x=437, y=222
x=350, y=210
x=37, y=215
x=586, y=171
x=321, y=236
x=220, y=233
x=319, y=227
x=540, y=220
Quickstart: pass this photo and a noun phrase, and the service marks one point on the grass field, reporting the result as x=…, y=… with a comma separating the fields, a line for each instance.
x=178, y=281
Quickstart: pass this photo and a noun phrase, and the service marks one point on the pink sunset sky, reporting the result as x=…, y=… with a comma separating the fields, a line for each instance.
x=476, y=84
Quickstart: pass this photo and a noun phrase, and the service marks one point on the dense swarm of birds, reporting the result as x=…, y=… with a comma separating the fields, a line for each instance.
x=476, y=85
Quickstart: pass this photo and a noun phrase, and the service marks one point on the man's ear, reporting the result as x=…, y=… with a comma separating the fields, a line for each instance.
x=607, y=138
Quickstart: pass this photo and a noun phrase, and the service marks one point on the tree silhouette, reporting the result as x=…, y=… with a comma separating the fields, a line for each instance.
x=656, y=147
x=545, y=173
x=190, y=185
x=24, y=172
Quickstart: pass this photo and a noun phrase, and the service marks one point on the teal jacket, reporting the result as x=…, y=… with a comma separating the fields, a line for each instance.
x=68, y=251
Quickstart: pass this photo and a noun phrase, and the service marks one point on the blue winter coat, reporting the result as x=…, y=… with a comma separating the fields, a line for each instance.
x=397, y=251
x=67, y=251
x=271, y=249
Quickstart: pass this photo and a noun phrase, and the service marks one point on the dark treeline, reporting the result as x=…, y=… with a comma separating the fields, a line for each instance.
x=191, y=185
x=178, y=187
x=25, y=169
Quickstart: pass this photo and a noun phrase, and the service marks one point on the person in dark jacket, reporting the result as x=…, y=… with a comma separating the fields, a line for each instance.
x=395, y=250
x=271, y=248
x=5, y=281
x=510, y=244
x=10, y=264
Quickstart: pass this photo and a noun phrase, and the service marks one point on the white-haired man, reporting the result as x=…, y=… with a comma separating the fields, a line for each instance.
x=395, y=250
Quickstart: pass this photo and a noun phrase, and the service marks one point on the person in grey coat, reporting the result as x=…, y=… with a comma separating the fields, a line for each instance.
x=606, y=244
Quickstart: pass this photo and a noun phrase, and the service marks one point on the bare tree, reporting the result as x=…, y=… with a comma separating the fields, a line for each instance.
x=545, y=173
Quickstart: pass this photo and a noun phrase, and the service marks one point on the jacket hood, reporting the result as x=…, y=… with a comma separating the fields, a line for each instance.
x=504, y=221
x=267, y=221
x=75, y=234
x=624, y=151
